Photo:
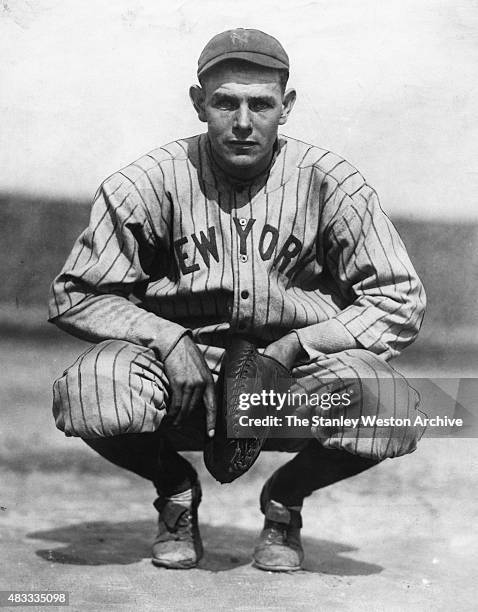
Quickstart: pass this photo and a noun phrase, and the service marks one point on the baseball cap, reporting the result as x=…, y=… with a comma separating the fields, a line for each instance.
x=245, y=44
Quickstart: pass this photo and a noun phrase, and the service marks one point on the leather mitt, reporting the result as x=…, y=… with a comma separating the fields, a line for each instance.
x=243, y=370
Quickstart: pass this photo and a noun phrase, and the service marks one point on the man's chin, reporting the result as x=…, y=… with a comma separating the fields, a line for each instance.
x=240, y=163
x=244, y=163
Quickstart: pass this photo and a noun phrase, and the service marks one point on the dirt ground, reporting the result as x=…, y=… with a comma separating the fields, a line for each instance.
x=400, y=537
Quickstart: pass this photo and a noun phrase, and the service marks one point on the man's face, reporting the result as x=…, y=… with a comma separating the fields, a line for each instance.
x=243, y=106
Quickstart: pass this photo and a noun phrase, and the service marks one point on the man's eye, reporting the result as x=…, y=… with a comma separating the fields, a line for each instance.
x=259, y=106
x=225, y=105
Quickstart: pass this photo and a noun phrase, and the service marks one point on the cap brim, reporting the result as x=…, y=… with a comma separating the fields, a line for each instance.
x=259, y=59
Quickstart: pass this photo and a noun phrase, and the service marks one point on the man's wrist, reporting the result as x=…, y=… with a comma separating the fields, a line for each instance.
x=293, y=346
x=164, y=352
x=287, y=349
x=320, y=339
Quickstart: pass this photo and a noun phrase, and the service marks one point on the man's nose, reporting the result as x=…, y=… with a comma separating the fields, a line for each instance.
x=243, y=119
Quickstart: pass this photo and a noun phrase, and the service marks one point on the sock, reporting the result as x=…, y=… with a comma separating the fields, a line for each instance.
x=314, y=467
x=182, y=499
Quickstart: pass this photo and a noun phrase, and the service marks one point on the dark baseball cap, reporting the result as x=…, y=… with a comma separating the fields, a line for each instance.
x=245, y=44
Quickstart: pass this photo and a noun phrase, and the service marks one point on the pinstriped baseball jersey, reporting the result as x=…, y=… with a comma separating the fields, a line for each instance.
x=174, y=245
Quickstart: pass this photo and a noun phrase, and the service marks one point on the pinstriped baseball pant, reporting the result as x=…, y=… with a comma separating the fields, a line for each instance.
x=117, y=387
x=115, y=396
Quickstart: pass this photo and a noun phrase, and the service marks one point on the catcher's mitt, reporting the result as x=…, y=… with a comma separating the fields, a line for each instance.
x=243, y=370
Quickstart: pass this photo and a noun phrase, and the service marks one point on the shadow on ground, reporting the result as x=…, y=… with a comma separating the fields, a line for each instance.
x=123, y=543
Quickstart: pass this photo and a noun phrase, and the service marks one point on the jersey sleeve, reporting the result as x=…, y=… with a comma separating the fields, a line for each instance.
x=369, y=264
x=110, y=262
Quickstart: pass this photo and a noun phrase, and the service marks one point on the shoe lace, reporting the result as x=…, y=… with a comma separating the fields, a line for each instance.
x=181, y=529
x=275, y=533
x=184, y=526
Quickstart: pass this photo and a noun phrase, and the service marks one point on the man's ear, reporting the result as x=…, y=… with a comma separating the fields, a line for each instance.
x=287, y=105
x=196, y=93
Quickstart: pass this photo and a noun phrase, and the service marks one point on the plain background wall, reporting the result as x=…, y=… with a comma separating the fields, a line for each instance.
x=87, y=87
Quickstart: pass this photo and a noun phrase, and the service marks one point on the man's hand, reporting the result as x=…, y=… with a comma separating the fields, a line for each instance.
x=287, y=349
x=191, y=381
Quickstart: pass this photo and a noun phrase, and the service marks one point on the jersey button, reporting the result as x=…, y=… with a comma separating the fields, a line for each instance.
x=244, y=295
x=242, y=222
x=244, y=258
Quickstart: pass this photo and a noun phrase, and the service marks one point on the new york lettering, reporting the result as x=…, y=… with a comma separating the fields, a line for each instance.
x=206, y=245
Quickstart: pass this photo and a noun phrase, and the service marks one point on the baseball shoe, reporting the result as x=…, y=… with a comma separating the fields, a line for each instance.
x=178, y=543
x=279, y=548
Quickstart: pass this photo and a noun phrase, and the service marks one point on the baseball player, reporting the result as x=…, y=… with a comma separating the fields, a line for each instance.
x=237, y=230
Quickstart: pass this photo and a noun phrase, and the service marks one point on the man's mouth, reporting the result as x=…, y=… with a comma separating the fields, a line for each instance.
x=243, y=144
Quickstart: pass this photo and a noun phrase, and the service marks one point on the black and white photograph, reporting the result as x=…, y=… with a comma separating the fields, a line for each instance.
x=239, y=260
